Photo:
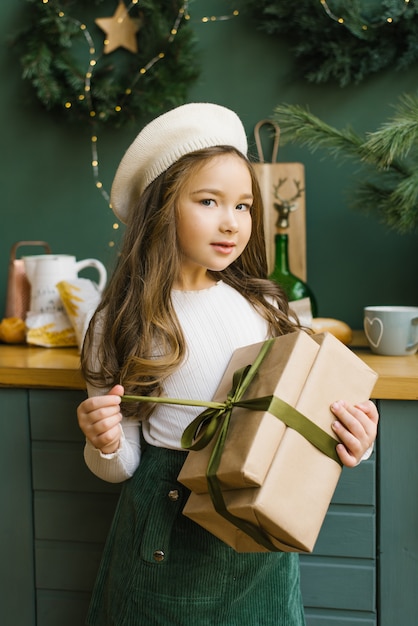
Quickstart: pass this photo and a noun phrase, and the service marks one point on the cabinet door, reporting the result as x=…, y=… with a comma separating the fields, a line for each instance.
x=17, y=586
x=398, y=513
x=339, y=577
x=72, y=510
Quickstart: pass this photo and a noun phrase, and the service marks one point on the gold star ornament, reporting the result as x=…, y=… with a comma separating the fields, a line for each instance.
x=120, y=30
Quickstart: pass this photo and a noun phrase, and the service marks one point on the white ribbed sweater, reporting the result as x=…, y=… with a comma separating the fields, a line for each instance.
x=215, y=322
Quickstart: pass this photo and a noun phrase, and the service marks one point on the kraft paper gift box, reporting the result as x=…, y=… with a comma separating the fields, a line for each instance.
x=254, y=438
x=289, y=508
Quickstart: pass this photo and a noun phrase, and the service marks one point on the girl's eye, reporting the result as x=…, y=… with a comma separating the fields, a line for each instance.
x=243, y=207
x=207, y=202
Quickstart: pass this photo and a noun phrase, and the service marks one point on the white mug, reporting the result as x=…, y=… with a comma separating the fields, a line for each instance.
x=391, y=330
x=44, y=271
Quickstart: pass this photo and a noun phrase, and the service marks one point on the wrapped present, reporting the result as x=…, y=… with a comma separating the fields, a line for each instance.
x=287, y=511
x=253, y=438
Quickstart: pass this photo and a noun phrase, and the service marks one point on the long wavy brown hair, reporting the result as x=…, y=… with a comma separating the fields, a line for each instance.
x=138, y=340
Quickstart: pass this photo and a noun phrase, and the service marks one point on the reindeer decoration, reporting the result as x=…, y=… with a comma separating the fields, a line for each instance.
x=285, y=206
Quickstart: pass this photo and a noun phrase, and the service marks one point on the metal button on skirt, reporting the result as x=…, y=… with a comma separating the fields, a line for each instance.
x=161, y=569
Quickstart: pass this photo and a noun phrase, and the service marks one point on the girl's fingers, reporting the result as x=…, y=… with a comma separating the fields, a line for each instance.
x=355, y=418
x=98, y=427
x=99, y=418
x=99, y=407
x=117, y=390
x=356, y=427
x=370, y=409
x=104, y=432
x=107, y=439
x=347, y=458
x=99, y=404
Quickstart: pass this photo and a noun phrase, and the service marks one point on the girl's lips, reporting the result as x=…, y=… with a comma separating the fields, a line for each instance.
x=223, y=247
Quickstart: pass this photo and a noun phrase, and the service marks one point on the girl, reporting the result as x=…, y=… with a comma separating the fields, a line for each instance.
x=189, y=288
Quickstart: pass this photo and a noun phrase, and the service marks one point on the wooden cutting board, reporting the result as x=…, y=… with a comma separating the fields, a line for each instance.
x=287, y=176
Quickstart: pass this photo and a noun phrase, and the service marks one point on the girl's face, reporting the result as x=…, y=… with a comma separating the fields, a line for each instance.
x=213, y=219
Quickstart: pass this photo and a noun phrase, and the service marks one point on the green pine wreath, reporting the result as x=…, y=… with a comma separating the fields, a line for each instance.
x=347, y=52
x=54, y=51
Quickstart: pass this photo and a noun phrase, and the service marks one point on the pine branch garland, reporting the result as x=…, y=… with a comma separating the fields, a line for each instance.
x=397, y=137
x=54, y=56
x=388, y=185
x=341, y=52
x=301, y=125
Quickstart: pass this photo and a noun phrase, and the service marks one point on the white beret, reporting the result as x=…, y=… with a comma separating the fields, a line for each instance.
x=163, y=141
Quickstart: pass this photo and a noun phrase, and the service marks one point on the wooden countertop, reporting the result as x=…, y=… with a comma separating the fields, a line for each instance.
x=398, y=375
x=30, y=366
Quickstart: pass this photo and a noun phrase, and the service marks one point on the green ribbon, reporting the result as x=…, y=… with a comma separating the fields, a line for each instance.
x=215, y=419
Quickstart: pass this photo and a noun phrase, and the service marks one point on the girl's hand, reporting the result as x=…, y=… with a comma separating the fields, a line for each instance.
x=356, y=427
x=99, y=418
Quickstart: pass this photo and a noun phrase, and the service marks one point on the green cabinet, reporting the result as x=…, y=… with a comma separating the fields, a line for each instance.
x=339, y=578
x=59, y=513
x=17, y=606
x=72, y=510
x=56, y=515
x=398, y=514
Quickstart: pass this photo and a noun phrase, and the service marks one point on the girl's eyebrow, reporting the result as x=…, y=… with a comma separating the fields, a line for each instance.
x=205, y=190
x=217, y=192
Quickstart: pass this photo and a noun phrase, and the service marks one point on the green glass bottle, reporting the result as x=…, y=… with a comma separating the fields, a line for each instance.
x=294, y=287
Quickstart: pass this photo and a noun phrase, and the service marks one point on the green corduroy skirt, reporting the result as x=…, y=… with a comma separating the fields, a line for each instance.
x=161, y=569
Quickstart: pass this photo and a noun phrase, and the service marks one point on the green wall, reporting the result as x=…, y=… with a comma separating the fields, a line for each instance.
x=48, y=190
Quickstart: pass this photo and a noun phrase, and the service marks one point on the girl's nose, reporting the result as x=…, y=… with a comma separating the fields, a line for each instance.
x=229, y=222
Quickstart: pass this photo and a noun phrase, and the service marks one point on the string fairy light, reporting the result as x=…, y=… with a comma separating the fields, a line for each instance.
x=92, y=61
x=219, y=18
x=364, y=26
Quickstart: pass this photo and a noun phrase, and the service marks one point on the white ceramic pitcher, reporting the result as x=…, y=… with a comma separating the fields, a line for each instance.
x=44, y=271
